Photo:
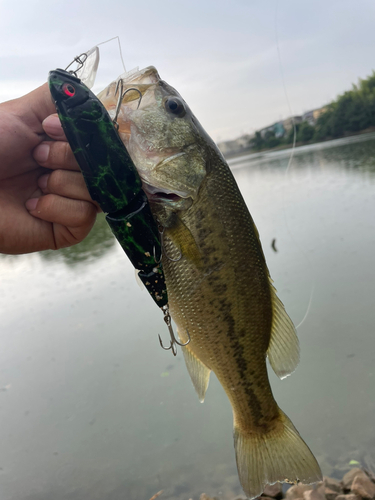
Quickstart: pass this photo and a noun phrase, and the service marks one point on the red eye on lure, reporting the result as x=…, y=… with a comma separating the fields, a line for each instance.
x=69, y=89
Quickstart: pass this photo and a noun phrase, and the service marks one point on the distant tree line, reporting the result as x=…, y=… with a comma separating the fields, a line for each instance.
x=351, y=112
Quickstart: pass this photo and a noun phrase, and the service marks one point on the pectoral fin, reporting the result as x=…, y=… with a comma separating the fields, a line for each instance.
x=199, y=373
x=283, y=349
x=182, y=237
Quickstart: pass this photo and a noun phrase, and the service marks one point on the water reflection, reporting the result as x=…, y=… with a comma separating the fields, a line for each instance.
x=320, y=211
x=93, y=408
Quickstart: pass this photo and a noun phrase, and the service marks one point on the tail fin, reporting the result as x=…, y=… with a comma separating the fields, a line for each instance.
x=280, y=455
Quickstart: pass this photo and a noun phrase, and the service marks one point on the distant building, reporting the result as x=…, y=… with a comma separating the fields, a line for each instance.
x=288, y=123
x=312, y=116
x=235, y=146
x=318, y=112
x=277, y=128
x=309, y=117
x=280, y=129
x=264, y=131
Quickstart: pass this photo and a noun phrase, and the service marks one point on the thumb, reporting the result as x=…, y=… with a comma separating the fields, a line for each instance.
x=44, y=107
x=35, y=107
x=40, y=102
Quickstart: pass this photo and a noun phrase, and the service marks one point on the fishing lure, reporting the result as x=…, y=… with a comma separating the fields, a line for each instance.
x=113, y=181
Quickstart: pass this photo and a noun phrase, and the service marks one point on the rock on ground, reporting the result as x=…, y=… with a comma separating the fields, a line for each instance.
x=350, y=496
x=316, y=493
x=349, y=477
x=355, y=485
x=330, y=494
x=332, y=484
x=273, y=490
x=297, y=491
x=363, y=486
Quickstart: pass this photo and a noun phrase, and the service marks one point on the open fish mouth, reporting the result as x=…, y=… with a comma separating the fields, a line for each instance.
x=166, y=197
x=155, y=194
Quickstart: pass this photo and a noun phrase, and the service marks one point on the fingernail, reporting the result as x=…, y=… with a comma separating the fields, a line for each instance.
x=41, y=153
x=32, y=203
x=43, y=181
x=52, y=125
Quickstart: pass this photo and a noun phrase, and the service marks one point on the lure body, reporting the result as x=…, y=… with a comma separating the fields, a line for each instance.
x=110, y=176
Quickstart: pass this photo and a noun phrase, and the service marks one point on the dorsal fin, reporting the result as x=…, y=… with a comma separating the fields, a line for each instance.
x=283, y=349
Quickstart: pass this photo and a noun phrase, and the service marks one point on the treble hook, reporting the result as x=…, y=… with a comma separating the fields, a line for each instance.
x=174, y=342
x=158, y=259
x=120, y=99
x=161, y=230
x=80, y=63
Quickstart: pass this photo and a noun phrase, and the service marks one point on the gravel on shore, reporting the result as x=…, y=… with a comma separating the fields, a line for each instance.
x=357, y=484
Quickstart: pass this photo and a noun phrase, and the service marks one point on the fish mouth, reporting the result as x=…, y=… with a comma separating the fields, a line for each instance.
x=164, y=194
x=158, y=194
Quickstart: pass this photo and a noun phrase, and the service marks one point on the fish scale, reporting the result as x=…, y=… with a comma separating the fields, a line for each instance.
x=215, y=320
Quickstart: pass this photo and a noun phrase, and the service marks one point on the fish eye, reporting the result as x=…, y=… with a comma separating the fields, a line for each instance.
x=68, y=89
x=176, y=106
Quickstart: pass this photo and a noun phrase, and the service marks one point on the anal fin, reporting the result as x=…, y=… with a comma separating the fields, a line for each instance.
x=198, y=371
x=283, y=349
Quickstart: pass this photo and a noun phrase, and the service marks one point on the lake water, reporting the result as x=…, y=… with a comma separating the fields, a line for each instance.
x=91, y=407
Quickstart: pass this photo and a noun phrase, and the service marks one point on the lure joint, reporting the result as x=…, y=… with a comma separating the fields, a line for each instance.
x=174, y=342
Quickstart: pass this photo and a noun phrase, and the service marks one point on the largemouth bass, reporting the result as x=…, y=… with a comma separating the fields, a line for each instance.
x=219, y=287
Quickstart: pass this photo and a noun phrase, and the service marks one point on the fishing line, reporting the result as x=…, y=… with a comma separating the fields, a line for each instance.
x=285, y=91
x=119, y=47
x=290, y=163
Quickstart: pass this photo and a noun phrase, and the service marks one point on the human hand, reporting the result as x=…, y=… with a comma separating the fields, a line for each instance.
x=44, y=202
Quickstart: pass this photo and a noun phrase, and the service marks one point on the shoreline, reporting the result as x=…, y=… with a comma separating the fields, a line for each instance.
x=281, y=147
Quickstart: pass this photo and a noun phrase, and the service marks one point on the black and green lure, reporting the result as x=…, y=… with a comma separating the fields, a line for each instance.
x=111, y=177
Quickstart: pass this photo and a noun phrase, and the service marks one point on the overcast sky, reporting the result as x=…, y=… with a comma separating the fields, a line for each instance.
x=222, y=56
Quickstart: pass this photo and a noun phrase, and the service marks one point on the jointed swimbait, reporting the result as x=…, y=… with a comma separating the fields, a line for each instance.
x=111, y=177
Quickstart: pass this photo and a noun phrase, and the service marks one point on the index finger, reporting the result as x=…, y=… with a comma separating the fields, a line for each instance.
x=55, y=155
x=52, y=127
